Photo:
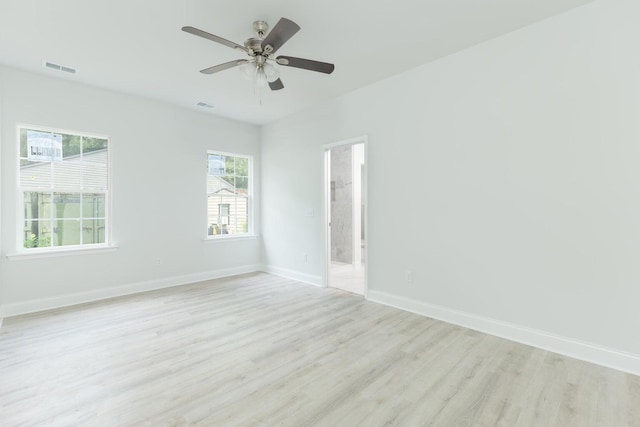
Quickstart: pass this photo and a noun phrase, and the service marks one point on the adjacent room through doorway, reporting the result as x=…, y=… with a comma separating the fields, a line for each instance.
x=346, y=213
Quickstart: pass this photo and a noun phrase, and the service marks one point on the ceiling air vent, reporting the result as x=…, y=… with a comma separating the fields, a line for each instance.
x=204, y=105
x=58, y=67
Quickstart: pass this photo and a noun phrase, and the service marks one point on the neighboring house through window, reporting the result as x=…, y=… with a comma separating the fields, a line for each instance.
x=228, y=194
x=64, y=189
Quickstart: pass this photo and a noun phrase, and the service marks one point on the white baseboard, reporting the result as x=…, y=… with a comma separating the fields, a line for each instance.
x=42, y=304
x=576, y=349
x=293, y=275
x=593, y=353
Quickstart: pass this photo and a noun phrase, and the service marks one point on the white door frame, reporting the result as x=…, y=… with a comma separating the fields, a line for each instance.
x=326, y=214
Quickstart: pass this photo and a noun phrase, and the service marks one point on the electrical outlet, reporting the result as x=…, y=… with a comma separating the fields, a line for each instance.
x=408, y=276
x=158, y=261
x=305, y=258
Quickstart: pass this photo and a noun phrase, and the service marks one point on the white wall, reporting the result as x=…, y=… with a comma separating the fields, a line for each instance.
x=159, y=193
x=1, y=216
x=515, y=172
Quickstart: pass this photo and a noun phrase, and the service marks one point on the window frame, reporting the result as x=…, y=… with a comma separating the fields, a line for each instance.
x=20, y=212
x=250, y=210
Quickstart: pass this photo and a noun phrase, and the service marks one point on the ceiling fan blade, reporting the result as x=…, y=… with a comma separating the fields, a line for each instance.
x=283, y=31
x=224, y=66
x=306, y=64
x=276, y=85
x=215, y=38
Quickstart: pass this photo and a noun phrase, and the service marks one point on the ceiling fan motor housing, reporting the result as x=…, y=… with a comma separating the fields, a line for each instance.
x=255, y=44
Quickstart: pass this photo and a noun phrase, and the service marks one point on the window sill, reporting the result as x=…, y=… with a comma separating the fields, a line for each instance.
x=50, y=253
x=226, y=238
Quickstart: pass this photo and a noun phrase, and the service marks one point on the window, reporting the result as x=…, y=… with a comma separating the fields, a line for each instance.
x=228, y=194
x=64, y=189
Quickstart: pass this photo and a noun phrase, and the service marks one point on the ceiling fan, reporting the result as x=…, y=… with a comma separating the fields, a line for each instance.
x=261, y=50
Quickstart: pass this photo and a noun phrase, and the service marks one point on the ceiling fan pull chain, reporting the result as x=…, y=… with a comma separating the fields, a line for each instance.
x=257, y=89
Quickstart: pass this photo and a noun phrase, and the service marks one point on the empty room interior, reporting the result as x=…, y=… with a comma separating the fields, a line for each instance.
x=280, y=213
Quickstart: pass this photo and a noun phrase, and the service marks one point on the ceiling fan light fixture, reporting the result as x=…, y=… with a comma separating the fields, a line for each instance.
x=271, y=72
x=261, y=78
x=248, y=70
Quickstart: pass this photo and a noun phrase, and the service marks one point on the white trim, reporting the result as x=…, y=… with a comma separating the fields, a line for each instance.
x=293, y=275
x=59, y=251
x=588, y=352
x=20, y=219
x=357, y=199
x=53, y=129
x=42, y=304
x=227, y=153
x=250, y=195
x=326, y=217
x=230, y=237
x=350, y=141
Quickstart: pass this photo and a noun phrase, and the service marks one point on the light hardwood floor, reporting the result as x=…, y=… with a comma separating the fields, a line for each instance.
x=347, y=277
x=258, y=350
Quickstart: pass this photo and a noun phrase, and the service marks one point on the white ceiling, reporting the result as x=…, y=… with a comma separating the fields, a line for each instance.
x=137, y=47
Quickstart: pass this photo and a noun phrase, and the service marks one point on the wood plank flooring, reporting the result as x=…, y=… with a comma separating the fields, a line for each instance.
x=347, y=277
x=259, y=350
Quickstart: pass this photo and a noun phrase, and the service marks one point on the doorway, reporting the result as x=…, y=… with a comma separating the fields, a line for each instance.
x=345, y=212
